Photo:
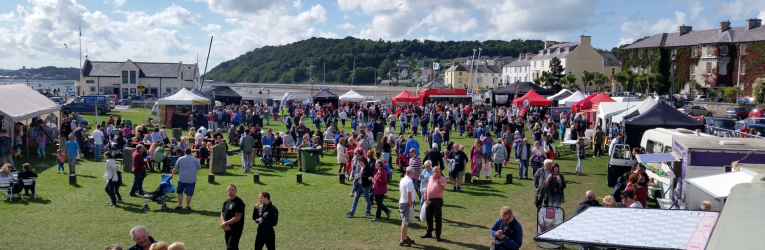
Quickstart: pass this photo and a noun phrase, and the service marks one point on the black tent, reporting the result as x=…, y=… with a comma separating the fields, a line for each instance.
x=326, y=96
x=224, y=94
x=660, y=116
x=523, y=88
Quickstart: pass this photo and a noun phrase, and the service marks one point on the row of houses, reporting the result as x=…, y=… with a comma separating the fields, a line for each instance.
x=575, y=58
x=130, y=78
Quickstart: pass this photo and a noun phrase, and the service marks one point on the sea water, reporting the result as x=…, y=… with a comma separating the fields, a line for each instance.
x=38, y=84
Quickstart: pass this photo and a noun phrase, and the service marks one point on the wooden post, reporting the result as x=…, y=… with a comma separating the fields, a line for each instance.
x=509, y=178
x=256, y=178
x=73, y=179
x=468, y=177
x=211, y=178
x=299, y=177
x=341, y=177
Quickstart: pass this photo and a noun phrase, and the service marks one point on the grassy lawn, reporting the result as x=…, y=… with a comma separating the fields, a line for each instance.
x=311, y=213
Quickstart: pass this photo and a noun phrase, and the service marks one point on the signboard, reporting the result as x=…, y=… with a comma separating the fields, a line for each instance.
x=524, y=107
x=90, y=81
x=547, y=218
x=169, y=111
x=141, y=89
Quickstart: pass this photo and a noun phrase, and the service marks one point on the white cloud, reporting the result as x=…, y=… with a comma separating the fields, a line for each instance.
x=10, y=16
x=740, y=9
x=174, y=16
x=634, y=30
x=346, y=26
x=246, y=7
x=432, y=38
x=119, y=3
x=297, y=4
x=212, y=28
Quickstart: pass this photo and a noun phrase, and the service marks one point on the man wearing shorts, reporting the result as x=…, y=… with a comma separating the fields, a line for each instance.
x=460, y=161
x=188, y=166
x=406, y=187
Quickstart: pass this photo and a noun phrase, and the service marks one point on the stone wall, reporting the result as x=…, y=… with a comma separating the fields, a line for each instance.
x=127, y=159
x=718, y=108
x=218, y=159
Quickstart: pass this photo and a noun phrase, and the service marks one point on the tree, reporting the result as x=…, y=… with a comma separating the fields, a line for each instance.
x=631, y=76
x=759, y=91
x=600, y=81
x=569, y=82
x=694, y=85
x=621, y=79
x=731, y=94
x=587, y=79
x=547, y=80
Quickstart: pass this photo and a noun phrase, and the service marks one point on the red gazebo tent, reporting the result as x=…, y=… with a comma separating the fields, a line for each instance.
x=404, y=97
x=602, y=97
x=584, y=104
x=536, y=99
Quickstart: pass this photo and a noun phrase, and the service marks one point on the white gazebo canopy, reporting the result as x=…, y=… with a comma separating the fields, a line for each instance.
x=563, y=91
x=575, y=97
x=647, y=104
x=19, y=103
x=606, y=108
x=352, y=96
x=184, y=97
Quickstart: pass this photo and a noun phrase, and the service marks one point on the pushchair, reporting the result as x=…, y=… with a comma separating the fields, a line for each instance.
x=470, y=131
x=267, y=160
x=88, y=149
x=403, y=162
x=165, y=187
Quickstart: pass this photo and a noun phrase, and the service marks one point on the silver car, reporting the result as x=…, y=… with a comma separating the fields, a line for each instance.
x=694, y=110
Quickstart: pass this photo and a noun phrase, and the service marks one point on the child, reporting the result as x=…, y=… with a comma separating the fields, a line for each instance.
x=204, y=153
x=112, y=180
x=41, y=140
x=60, y=158
x=580, y=154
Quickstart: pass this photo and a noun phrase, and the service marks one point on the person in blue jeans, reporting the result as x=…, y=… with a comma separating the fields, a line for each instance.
x=139, y=171
x=523, y=154
x=72, y=151
x=363, y=187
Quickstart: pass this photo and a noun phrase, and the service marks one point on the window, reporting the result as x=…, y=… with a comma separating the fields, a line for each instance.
x=168, y=90
x=494, y=80
x=460, y=80
x=723, y=50
x=543, y=64
x=124, y=77
x=709, y=67
x=132, y=91
x=709, y=50
x=693, y=71
x=479, y=80
x=613, y=70
x=653, y=147
x=92, y=89
x=693, y=52
x=743, y=48
x=743, y=68
x=79, y=100
x=722, y=68
x=460, y=73
x=124, y=93
x=535, y=64
x=132, y=76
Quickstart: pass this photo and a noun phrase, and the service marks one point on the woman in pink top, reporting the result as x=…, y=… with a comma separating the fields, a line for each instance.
x=434, y=196
x=380, y=188
x=641, y=192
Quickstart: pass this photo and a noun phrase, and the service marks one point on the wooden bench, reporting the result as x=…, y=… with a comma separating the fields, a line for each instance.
x=205, y=158
x=282, y=152
x=329, y=144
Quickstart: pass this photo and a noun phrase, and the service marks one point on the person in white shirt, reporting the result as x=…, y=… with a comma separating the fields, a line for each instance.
x=98, y=141
x=405, y=205
x=199, y=134
x=343, y=116
x=112, y=180
x=628, y=198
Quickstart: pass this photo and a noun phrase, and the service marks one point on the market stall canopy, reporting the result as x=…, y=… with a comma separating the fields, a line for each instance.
x=585, y=104
x=575, y=97
x=660, y=116
x=199, y=93
x=352, y=96
x=184, y=97
x=224, y=94
x=405, y=97
x=563, y=94
x=602, y=97
x=644, y=106
x=719, y=185
x=19, y=102
x=523, y=88
x=608, y=109
x=536, y=99
x=603, y=227
x=326, y=96
x=737, y=227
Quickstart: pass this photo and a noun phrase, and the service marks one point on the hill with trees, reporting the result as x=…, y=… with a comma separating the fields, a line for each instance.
x=47, y=72
x=290, y=63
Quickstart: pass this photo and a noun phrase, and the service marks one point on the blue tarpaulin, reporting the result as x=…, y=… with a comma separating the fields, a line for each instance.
x=652, y=158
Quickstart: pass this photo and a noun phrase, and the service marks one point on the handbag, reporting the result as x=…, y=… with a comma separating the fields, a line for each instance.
x=423, y=211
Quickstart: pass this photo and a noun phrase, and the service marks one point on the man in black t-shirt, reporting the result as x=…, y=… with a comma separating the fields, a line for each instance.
x=460, y=160
x=232, y=218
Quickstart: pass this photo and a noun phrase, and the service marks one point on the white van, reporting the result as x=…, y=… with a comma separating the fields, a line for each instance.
x=659, y=140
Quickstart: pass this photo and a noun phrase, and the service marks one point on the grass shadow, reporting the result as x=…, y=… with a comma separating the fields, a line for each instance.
x=86, y=176
x=463, y=224
x=37, y=200
x=77, y=185
x=133, y=208
x=454, y=206
x=464, y=245
x=482, y=194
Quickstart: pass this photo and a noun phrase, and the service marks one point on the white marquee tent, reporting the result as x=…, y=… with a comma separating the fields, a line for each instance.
x=352, y=96
x=575, y=97
x=608, y=109
x=184, y=97
x=19, y=103
x=562, y=92
x=647, y=104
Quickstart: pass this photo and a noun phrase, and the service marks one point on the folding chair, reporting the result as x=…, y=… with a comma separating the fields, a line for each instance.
x=30, y=183
x=9, y=189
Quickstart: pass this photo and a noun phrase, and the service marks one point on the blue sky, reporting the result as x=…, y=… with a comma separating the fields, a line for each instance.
x=33, y=32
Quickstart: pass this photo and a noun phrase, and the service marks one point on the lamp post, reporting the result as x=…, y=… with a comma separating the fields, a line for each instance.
x=27, y=79
x=672, y=77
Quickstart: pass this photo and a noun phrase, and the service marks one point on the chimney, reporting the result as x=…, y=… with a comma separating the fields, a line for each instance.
x=684, y=29
x=521, y=56
x=549, y=43
x=753, y=23
x=456, y=62
x=585, y=40
x=724, y=25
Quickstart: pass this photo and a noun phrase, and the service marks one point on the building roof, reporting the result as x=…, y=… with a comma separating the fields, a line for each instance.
x=487, y=69
x=697, y=37
x=610, y=60
x=456, y=67
x=557, y=50
x=438, y=83
x=147, y=69
x=519, y=63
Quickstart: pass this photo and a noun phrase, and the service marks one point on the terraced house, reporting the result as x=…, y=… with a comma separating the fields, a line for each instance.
x=713, y=58
x=130, y=78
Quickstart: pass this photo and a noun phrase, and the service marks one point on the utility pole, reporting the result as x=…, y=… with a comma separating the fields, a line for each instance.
x=376, y=83
x=470, y=75
x=324, y=69
x=353, y=72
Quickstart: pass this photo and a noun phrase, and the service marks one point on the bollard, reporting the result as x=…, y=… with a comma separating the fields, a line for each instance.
x=299, y=177
x=256, y=177
x=468, y=177
x=211, y=178
x=341, y=177
x=73, y=179
x=509, y=178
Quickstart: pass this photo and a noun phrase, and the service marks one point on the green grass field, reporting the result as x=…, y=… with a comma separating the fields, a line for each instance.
x=311, y=214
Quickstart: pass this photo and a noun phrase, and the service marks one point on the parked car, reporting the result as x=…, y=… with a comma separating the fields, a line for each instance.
x=760, y=121
x=737, y=113
x=113, y=97
x=757, y=113
x=57, y=99
x=716, y=123
x=694, y=110
x=679, y=104
x=758, y=128
x=718, y=99
x=112, y=104
x=88, y=103
x=700, y=98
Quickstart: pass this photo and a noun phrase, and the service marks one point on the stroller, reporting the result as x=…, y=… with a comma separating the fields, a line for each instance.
x=165, y=187
x=89, y=149
x=267, y=160
x=470, y=131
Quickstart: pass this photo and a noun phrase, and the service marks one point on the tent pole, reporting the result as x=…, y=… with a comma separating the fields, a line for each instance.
x=27, y=137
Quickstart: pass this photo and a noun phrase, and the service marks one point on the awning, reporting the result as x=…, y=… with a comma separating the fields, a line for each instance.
x=652, y=158
x=719, y=185
x=649, y=229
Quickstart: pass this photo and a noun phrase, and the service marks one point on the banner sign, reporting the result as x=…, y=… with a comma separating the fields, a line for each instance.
x=524, y=107
x=169, y=111
x=547, y=218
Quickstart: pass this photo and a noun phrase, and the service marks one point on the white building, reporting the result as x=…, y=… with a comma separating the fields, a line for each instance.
x=126, y=78
x=485, y=75
x=518, y=70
